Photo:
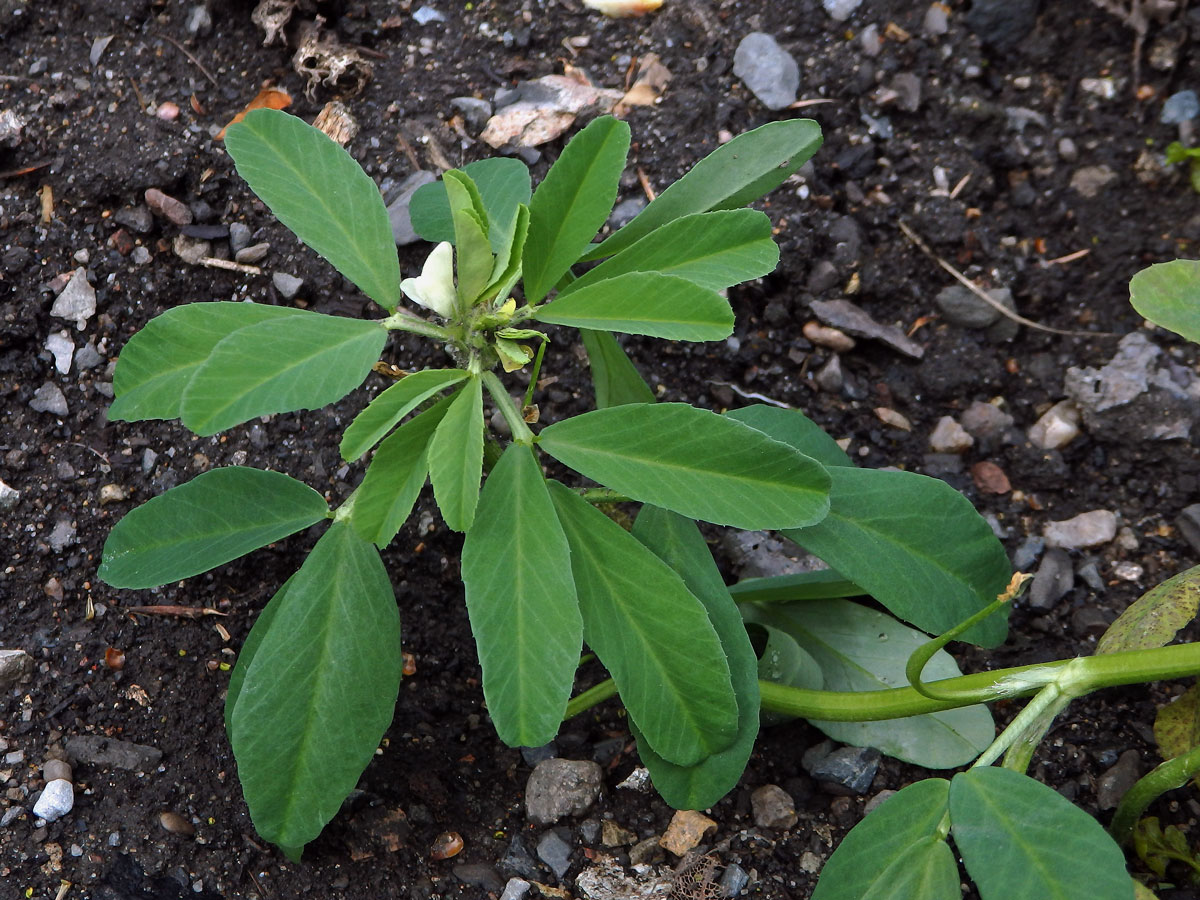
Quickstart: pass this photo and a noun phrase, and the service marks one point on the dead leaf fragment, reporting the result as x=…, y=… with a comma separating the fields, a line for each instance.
x=652, y=79
x=267, y=98
x=620, y=9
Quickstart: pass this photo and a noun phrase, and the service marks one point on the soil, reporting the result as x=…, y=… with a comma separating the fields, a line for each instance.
x=95, y=139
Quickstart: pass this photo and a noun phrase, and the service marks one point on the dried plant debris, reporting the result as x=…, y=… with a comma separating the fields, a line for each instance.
x=337, y=122
x=696, y=879
x=272, y=16
x=538, y=111
x=325, y=60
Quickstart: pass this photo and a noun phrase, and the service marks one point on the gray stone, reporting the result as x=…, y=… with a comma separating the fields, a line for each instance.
x=1188, y=522
x=110, y=753
x=87, y=357
x=1089, y=529
x=191, y=250
x=908, y=91
x=255, y=253
x=478, y=875
x=240, y=236
x=625, y=212
x=962, y=307
x=830, y=377
x=1090, y=573
x=1091, y=180
x=9, y=496
x=1113, y=784
x=77, y=301
x=554, y=852
x=398, y=204
x=49, y=398
x=813, y=756
x=287, y=284
x=1002, y=24
x=14, y=665
x=561, y=787
x=1052, y=580
x=1180, y=107
x=62, y=535
x=515, y=889
x=141, y=256
x=937, y=20
x=985, y=421
x=849, y=769
x=733, y=881
x=768, y=70
x=199, y=21
x=57, y=799
x=950, y=437
x=135, y=218
x=773, y=807
x=1028, y=552
x=840, y=10
x=475, y=111
x=518, y=860
x=11, y=815
x=822, y=277
x=849, y=318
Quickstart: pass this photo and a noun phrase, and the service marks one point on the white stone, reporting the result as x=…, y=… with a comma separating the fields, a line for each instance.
x=840, y=10
x=56, y=801
x=62, y=348
x=77, y=302
x=14, y=665
x=1058, y=426
x=1089, y=529
x=949, y=437
x=8, y=496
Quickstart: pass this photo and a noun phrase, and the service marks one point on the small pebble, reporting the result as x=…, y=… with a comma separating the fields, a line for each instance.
x=14, y=665
x=9, y=496
x=1089, y=529
x=824, y=336
x=1057, y=427
x=113, y=493
x=287, y=285
x=515, y=889
x=191, y=250
x=937, y=20
x=49, y=398
x=56, y=768
x=555, y=853
x=687, y=829
x=11, y=815
x=77, y=300
x=840, y=10
x=733, y=881
x=892, y=418
x=769, y=71
x=949, y=437
x=1180, y=107
x=168, y=207
x=252, y=254
x=168, y=111
x=1114, y=783
x=1127, y=571
x=990, y=478
x=176, y=824
x=427, y=14
x=773, y=807
x=57, y=799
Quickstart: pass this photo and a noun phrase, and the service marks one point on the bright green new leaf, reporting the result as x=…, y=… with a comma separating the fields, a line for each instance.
x=503, y=183
x=1168, y=294
x=614, y=377
x=894, y=847
x=320, y=690
x=1155, y=618
x=678, y=542
x=792, y=427
x=456, y=456
x=1020, y=839
x=382, y=413
x=159, y=361
x=663, y=306
x=652, y=635
x=823, y=584
x=472, y=253
x=516, y=567
x=303, y=361
x=715, y=250
x=694, y=462
x=746, y=168
x=572, y=202
x=214, y=518
x=861, y=649
x=316, y=189
x=395, y=477
x=249, y=647
x=916, y=545
x=507, y=270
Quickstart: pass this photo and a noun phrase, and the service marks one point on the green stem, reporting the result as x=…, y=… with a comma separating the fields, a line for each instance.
x=537, y=368
x=603, y=495
x=1020, y=751
x=591, y=697
x=406, y=321
x=520, y=431
x=1049, y=697
x=1172, y=774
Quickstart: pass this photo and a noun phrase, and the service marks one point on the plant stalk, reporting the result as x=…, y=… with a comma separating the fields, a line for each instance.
x=520, y=431
x=1167, y=776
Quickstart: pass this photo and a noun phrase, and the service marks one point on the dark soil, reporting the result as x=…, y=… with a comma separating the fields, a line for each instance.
x=92, y=138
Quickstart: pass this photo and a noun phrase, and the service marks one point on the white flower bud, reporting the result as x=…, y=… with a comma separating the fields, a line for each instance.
x=434, y=289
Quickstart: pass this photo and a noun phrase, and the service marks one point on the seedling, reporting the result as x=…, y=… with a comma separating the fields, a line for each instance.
x=1178, y=153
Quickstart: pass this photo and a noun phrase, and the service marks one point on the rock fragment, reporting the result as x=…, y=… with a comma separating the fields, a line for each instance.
x=1089, y=181
x=846, y=316
x=769, y=71
x=773, y=807
x=1114, y=783
x=606, y=880
x=561, y=787
x=848, y=769
x=555, y=853
x=287, y=284
x=398, y=207
x=77, y=301
x=191, y=250
x=9, y=496
x=57, y=799
x=174, y=211
x=1053, y=579
x=49, y=398
x=62, y=535
x=1057, y=427
x=14, y=665
x=62, y=348
x=950, y=437
x=1180, y=107
x=108, y=752
x=1089, y=529
x=687, y=829
x=985, y=421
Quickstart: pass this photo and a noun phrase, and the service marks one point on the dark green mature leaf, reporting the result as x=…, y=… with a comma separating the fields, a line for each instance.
x=1155, y=618
x=861, y=649
x=158, y=362
x=891, y=853
x=678, y=542
x=714, y=250
x=916, y=545
x=614, y=377
x=215, y=517
x=316, y=189
x=503, y=183
x=694, y=462
x=395, y=477
x=320, y=690
x=382, y=413
x=652, y=635
x=303, y=361
x=456, y=456
x=1168, y=294
x=1021, y=839
x=663, y=306
x=746, y=168
x=824, y=584
x=249, y=647
x=792, y=427
x=516, y=566
x=572, y=202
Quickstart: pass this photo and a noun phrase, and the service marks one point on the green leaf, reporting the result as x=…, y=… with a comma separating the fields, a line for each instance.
x=823, y=584
x=249, y=647
x=892, y=852
x=916, y=545
x=748, y=167
x=663, y=306
x=861, y=649
x=614, y=377
x=652, y=635
x=1021, y=839
x=456, y=457
x=792, y=427
x=159, y=361
x=320, y=690
x=1168, y=294
x=215, y=517
x=395, y=477
x=783, y=661
x=316, y=189
x=694, y=462
x=303, y=361
x=503, y=183
x=382, y=413
x=572, y=202
x=1155, y=618
x=715, y=250
x=678, y=542
x=1177, y=725
x=516, y=566
x=507, y=271
x=472, y=252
